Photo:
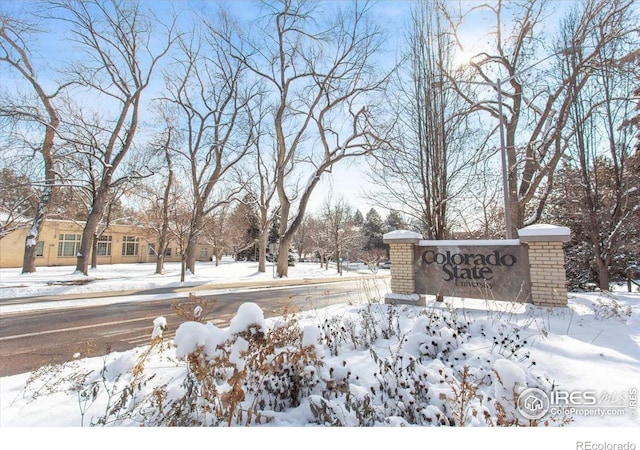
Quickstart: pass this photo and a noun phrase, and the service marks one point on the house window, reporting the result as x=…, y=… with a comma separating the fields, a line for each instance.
x=69, y=245
x=104, y=246
x=151, y=250
x=40, y=248
x=203, y=252
x=167, y=252
x=129, y=246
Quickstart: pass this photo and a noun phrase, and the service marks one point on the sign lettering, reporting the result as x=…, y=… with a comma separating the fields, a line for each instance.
x=473, y=271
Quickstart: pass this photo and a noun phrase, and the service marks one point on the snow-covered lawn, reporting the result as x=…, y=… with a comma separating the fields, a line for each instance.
x=461, y=362
x=65, y=280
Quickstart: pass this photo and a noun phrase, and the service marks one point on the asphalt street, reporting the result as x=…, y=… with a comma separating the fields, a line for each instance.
x=54, y=335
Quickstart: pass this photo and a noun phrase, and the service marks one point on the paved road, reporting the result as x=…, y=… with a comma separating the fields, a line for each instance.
x=29, y=340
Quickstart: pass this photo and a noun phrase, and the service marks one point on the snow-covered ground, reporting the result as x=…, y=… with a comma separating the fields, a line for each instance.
x=586, y=356
x=64, y=280
x=228, y=276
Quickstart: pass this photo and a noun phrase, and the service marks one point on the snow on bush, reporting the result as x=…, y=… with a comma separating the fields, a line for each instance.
x=159, y=325
x=248, y=318
x=353, y=365
x=510, y=381
x=366, y=365
x=192, y=335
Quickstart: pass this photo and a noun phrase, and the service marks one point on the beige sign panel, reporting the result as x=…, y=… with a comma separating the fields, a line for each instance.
x=473, y=271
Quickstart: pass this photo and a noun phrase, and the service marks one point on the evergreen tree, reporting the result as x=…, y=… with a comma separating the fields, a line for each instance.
x=394, y=221
x=373, y=229
x=244, y=219
x=358, y=220
x=274, y=231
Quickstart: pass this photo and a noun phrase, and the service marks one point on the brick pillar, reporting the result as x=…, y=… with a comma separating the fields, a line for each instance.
x=401, y=251
x=546, y=262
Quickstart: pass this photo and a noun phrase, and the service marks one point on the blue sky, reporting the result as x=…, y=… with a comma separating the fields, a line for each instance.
x=347, y=179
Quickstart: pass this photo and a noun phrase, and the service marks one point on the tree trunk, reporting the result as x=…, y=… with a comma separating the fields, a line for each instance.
x=603, y=274
x=262, y=244
x=94, y=251
x=516, y=207
x=163, y=242
x=82, y=264
x=29, y=261
x=191, y=256
x=283, y=256
x=31, y=241
x=162, y=246
x=160, y=262
x=164, y=231
x=192, y=241
x=84, y=253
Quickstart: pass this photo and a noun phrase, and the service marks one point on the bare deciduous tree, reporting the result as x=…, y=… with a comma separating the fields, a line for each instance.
x=427, y=168
x=179, y=226
x=159, y=198
x=216, y=229
x=302, y=240
x=261, y=185
x=121, y=55
x=163, y=238
x=599, y=147
x=240, y=235
x=81, y=169
x=208, y=90
x=343, y=234
x=321, y=78
x=14, y=51
x=536, y=99
x=18, y=200
x=319, y=239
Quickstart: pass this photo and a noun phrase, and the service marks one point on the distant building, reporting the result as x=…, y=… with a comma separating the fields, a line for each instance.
x=59, y=242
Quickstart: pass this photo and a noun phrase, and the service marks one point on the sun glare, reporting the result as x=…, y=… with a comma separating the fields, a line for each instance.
x=462, y=58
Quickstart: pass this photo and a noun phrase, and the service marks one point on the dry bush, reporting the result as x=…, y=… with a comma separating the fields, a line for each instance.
x=195, y=309
x=424, y=375
x=269, y=374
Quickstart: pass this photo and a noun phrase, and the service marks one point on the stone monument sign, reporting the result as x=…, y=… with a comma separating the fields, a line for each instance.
x=485, y=269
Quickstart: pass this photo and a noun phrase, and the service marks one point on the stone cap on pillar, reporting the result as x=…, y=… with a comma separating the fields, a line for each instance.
x=544, y=232
x=401, y=237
